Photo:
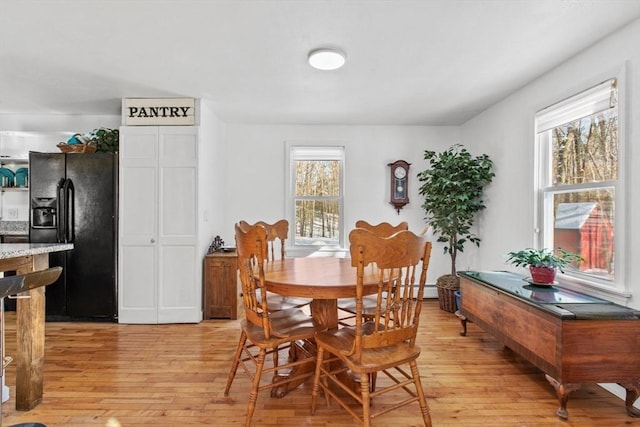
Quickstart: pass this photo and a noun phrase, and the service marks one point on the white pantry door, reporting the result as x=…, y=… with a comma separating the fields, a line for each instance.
x=159, y=277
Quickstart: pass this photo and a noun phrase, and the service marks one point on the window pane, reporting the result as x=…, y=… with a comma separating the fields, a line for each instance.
x=318, y=178
x=584, y=224
x=586, y=150
x=317, y=222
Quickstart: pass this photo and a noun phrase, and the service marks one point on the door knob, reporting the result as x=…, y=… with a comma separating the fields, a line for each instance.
x=153, y=240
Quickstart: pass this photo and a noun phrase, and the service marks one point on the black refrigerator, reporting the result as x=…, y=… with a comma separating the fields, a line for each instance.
x=74, y=200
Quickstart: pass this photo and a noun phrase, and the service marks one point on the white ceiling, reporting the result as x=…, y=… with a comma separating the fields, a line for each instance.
x=410, y=62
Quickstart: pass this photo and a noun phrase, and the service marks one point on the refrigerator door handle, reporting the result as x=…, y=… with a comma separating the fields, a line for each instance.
x=60, y=211
x=69, y=211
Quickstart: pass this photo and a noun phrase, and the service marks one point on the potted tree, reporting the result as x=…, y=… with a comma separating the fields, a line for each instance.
x=452, y=188
x=543, y=263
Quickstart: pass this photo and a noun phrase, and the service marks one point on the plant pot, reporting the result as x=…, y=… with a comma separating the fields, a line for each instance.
x=543, y=275
x=446, y=286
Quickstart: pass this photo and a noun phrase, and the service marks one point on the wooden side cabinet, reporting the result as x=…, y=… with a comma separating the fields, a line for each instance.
x=221, y=285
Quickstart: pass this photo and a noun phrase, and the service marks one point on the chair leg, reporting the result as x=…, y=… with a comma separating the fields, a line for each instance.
x=275, y=357
x=424, y=408
x=316, y=380
x=366, y=400
x=236, y=361
x=253, y=395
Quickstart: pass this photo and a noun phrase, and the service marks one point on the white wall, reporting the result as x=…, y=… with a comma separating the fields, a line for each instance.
x=237, y=160
x=253, y=184
x=210, y=173
x=56, y=122
x=506, y=133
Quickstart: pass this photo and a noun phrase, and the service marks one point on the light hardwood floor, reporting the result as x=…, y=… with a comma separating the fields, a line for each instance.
x=104, y=374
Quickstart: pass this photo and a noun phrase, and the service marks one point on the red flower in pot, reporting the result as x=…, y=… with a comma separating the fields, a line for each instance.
x=543, y=263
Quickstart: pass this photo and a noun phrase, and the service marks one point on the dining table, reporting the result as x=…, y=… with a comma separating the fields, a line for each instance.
x=324, y=280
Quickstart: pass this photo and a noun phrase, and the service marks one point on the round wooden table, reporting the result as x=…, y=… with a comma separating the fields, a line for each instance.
x=324, y=279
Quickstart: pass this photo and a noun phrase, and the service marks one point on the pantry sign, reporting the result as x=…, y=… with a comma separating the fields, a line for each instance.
x=158, y=111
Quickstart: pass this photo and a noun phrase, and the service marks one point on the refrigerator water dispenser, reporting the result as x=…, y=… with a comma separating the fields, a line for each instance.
x=43, y=212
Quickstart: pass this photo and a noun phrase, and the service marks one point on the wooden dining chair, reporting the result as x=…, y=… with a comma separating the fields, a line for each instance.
x=348, y=305
x=263, y=332
x=387, y=343
x=277, y=233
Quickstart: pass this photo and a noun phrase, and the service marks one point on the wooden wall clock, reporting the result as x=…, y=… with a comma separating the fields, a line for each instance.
x=399, y=184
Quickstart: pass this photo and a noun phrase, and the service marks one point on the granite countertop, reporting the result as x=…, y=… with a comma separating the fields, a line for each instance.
x=14, y=228
x=14, y=250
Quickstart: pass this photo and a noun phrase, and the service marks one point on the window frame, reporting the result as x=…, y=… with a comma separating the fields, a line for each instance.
x=617, y=288
x=302, y=151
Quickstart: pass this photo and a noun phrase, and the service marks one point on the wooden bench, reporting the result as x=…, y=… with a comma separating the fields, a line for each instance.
x=573, y=338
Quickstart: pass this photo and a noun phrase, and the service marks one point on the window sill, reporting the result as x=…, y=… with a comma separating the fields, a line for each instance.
x=591, y=288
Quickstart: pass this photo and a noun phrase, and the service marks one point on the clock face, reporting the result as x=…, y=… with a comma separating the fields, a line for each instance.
x=400, y=173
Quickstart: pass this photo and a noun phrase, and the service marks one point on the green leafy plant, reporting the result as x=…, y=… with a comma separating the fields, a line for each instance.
x=106, y=140
x=543, y=258
x=452, y=188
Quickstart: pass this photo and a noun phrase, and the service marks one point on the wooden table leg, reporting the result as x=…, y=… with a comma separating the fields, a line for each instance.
x=325, y=311
x=30, y=317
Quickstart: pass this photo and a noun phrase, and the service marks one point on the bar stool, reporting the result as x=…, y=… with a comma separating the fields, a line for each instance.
x=13, y=285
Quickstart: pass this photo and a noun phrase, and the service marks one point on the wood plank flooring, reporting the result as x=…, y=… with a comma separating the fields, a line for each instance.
x=104, y=374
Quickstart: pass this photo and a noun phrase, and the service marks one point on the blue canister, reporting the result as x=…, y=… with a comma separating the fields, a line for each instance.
x=458, y=298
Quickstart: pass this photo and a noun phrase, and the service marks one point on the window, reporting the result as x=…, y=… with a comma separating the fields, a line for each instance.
x=316, y=194
x=578, y=188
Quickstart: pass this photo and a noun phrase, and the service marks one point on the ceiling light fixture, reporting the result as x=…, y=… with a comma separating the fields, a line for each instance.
x=327, y=58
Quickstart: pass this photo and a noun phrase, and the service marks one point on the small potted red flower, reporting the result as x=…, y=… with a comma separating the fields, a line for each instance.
x=543, y=263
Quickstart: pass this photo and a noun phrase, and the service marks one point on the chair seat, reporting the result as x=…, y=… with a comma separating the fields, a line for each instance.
x=277, y=302
x=340, y=342
x=369, y=304
x=287, y=325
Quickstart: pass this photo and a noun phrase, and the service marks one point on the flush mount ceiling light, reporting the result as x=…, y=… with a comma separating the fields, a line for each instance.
x=326, y=58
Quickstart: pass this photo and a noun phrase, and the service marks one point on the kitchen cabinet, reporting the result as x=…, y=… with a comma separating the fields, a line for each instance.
x=14, y=191
x=221, y=285
x=159, y=274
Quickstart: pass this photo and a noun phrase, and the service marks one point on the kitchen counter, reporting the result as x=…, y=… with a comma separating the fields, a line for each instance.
x=14, y=228
x=14, y=250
